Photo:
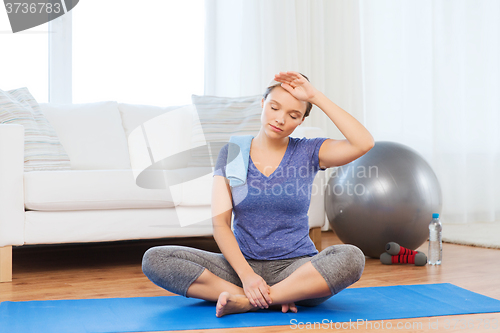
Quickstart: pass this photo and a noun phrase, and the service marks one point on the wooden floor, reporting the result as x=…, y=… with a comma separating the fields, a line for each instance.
x=108, y=270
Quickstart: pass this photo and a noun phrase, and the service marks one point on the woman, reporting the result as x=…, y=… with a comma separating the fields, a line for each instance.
x=269, y=259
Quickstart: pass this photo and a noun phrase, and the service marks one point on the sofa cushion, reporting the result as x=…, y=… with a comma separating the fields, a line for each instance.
x=134, y=115
x=197, y=191
x=42, y=148
x=115, y=189
x=92, y=189
x=91, y=133
x=114, y=225
x=218, y=118
x=156, y=134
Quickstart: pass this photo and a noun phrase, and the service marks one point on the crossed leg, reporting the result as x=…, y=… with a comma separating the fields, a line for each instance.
x=304, y=283
x=189, y=272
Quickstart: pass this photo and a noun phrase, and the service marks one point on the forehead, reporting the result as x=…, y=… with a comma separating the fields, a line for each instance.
x=286, y=100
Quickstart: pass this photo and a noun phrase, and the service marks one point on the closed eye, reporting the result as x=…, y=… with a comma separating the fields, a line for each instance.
x=275, y=109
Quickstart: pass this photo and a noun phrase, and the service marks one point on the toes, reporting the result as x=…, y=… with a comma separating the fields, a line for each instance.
x=221, y=302
x=218, y=310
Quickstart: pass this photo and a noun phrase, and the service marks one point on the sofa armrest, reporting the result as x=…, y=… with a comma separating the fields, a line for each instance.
x=11, y=184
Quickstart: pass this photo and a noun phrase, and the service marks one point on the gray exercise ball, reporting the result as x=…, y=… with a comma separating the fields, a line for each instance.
x=387, y=195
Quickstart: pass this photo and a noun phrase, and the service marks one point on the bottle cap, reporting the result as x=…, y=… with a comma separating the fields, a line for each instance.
x=435, y=216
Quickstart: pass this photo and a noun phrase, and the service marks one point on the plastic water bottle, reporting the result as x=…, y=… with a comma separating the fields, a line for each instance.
x=435, y=243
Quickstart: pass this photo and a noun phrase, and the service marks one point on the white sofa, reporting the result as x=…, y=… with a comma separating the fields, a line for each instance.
x=99, y=199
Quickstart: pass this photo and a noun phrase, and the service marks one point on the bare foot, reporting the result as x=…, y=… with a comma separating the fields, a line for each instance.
x=229, y=303
x=290, y=306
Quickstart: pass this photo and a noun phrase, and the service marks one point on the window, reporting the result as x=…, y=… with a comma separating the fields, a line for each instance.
x=24, y=59
x=143, y=52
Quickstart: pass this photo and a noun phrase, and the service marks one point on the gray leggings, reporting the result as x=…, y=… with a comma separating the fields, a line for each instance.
x=175, y=268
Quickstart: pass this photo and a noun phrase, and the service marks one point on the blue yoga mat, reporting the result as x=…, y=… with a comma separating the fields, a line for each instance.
x=178, y=313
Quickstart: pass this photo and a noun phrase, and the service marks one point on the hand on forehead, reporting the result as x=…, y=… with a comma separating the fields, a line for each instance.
x=289, y=77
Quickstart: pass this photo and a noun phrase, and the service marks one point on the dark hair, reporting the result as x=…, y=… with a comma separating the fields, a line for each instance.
x=270, y=88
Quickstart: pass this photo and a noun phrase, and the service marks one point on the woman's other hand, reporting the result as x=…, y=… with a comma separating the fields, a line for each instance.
x=256, y=290
x=296, y=85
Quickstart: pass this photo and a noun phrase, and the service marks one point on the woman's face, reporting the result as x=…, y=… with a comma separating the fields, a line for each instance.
x=281, y=113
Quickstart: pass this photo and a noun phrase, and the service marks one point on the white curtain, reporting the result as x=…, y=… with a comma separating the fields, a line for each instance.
x=423, y=73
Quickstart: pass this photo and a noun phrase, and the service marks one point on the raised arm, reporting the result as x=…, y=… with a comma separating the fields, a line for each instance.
x=256, y=289
x=358, y=140
x=332, y=152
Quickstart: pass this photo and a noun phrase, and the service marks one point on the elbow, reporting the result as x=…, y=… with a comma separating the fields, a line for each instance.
x=369, y=145
x=221, y=223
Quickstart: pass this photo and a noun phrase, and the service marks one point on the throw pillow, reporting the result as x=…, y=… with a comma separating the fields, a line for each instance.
x=92, y=134
x=157, y=135
x=218, y=118
x=42, y=148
